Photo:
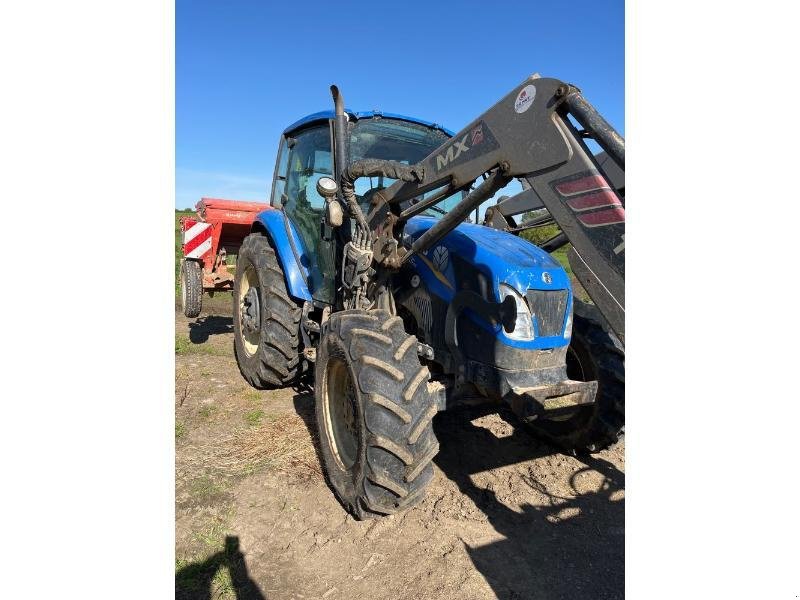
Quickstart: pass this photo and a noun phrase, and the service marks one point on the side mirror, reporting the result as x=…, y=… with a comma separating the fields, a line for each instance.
x=327, y=188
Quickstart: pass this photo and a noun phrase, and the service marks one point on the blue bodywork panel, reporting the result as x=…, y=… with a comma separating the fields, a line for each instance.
x=501, y=257
x=296, y=275
x=329, y=114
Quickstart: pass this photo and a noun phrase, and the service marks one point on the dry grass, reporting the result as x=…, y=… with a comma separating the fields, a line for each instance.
x=282, y=444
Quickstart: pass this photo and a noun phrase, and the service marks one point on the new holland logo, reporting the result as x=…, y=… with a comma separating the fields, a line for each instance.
x=441, y=257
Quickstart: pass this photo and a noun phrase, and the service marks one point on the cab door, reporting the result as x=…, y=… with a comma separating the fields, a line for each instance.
x=305, y=157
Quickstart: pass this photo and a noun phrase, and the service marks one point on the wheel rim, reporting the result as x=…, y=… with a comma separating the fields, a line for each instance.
x=250, y=311
x=340, y=412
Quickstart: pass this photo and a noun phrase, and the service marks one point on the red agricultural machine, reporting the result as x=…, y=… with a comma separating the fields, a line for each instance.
x=218, y=229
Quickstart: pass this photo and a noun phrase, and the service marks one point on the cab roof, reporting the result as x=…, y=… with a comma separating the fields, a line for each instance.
x=329, y=114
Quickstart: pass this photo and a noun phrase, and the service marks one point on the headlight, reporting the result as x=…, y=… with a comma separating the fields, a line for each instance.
x=523, y=329
x=568, y=326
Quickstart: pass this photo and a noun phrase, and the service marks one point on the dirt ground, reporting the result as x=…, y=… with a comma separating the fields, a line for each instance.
x=506, y=515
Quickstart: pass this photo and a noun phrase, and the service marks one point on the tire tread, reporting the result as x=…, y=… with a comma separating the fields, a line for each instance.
x=277, y=362
x=398, y=408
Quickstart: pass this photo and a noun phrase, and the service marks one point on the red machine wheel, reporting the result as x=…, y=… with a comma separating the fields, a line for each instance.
x=191, y=288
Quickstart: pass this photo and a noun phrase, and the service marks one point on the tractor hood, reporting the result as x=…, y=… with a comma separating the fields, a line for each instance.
x=499, y=256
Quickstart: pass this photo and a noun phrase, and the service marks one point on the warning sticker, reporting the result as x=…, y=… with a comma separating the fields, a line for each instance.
x=525, y=99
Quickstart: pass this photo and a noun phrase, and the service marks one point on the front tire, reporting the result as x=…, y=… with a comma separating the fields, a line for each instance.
x=266, y=320
x=191, y=288
x=374, y=408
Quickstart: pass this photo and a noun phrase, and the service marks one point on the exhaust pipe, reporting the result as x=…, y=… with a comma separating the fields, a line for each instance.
x=339, y=133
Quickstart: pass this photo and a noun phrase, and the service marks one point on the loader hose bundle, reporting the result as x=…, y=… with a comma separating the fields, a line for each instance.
x=370, y=167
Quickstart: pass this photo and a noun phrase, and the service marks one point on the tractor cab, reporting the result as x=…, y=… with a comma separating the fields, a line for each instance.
x=306, y=155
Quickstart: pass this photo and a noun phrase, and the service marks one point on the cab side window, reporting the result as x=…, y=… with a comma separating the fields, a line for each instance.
x=279, y=185
x=309, y=159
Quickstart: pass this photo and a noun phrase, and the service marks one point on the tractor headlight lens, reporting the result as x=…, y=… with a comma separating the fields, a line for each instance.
x=523, y=329
x=568, y=326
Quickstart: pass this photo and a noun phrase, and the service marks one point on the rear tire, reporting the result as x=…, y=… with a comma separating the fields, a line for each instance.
x=594, y=354
x=191, y=288
x=374, y=408
x=266, y=320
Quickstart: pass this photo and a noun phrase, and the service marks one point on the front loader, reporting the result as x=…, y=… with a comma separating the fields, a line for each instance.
x=366, y=274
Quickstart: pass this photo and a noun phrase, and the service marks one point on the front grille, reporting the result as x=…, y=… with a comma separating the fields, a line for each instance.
x=548, y=309
x=424, y=312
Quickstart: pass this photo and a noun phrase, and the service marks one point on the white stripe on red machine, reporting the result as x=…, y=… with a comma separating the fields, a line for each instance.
x=196, y=230
x=201, y=249
x=197, y=238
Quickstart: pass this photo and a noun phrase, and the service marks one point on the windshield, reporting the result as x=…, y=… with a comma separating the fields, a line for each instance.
x=402, y=141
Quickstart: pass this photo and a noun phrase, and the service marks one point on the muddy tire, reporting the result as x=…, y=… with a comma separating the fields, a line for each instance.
x=191, y=288
x=374, y=408
x=594, y=354
x=266, y=320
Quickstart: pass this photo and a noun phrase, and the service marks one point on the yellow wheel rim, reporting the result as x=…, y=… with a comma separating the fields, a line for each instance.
x=249, y=311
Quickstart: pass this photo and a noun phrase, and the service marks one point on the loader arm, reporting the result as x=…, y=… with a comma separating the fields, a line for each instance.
x=527, y=135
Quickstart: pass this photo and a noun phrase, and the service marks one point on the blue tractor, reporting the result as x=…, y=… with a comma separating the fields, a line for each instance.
x=368, y=274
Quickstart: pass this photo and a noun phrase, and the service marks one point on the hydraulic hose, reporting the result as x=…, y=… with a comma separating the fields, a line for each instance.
x=369, y=167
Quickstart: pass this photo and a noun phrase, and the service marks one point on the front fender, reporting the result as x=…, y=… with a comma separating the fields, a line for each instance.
x=275, y=224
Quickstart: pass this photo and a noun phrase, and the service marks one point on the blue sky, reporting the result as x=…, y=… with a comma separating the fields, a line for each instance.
x=247, y=69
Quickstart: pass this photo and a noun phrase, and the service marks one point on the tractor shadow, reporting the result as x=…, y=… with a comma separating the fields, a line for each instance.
x=204, y=327
x=195, y=580
x=569, y=544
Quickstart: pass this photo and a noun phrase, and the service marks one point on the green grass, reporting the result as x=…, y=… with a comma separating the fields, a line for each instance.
x=561, y=256
x=185, y=346
x=539, y=235
x=180, y=430
x=254, y=417
x=206, y=487
x=211, y=570
x=207, y=412
x=190, y=577
x=252, y=395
